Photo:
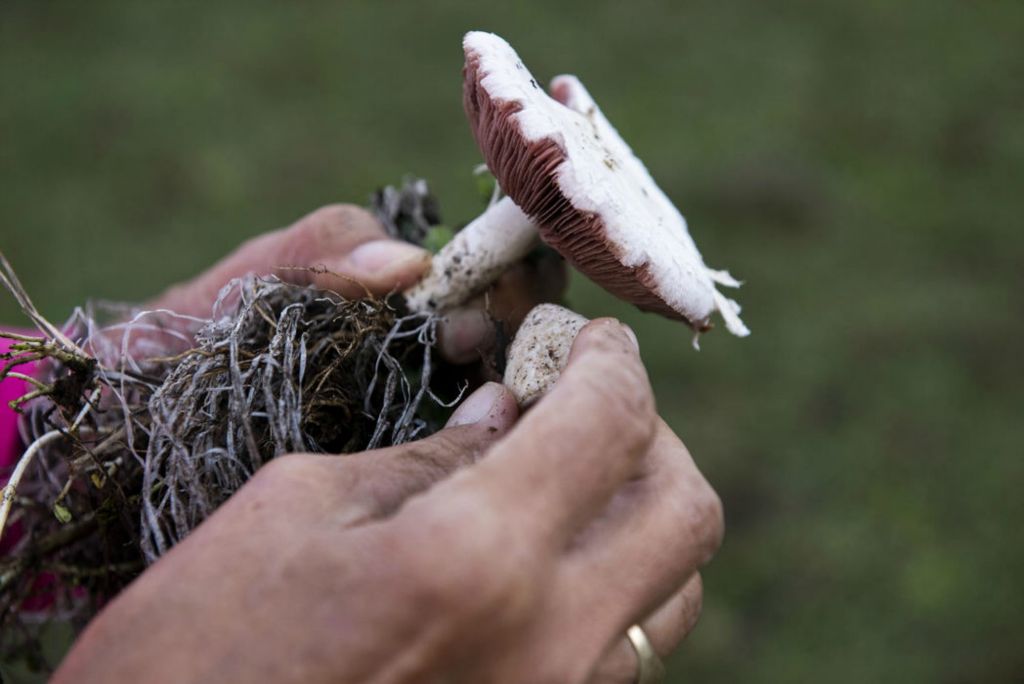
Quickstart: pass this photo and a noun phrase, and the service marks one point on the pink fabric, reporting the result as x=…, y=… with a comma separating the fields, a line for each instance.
x=11, y=389
x=10, y=449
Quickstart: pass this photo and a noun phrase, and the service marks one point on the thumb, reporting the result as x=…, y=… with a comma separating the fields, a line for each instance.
x=381, y=480
x=491, y=406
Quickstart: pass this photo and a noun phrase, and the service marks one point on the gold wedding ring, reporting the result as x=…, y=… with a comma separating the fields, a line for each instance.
x=650, y=669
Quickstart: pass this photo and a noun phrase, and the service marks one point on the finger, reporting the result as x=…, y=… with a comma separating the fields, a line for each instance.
x=656, y=532
x=466, y=334
x=573, y=450
x=374, y=484
x=665, y=628
x=338, y=239
x=470, y=332
x=378, y=268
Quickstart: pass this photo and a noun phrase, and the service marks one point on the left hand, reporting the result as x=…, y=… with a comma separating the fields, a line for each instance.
x=344, y=248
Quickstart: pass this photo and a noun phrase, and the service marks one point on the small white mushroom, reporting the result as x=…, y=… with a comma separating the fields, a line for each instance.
x=540, y=351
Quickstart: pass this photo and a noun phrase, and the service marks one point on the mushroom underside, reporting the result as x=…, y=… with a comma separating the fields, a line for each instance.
x=528, y=172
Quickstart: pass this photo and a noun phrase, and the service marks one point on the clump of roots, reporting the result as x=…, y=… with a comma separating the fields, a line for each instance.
x=294, y=369
x=141, y=423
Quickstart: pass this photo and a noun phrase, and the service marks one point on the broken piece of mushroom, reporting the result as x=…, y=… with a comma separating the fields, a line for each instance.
x=540, y=351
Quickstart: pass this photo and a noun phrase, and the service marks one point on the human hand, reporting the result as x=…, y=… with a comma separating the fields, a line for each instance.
x=344, y=248
x=498, y=550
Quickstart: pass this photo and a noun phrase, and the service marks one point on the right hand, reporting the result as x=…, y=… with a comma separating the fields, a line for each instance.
x=498, y=550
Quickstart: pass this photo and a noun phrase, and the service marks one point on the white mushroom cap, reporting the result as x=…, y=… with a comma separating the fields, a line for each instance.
x=592, y=199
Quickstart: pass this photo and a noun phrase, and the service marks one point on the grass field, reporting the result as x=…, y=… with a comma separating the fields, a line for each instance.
x=858, y=164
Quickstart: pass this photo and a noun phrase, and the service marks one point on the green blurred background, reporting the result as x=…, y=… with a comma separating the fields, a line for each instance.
x=859, y=164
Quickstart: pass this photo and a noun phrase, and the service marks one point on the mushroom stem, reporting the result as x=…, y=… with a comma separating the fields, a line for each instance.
x=475, y=257
x=540, y=351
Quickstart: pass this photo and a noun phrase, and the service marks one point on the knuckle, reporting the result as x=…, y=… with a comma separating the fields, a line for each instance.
x=709, y=521
x=624, y=371
x=285, y=470
x=624, y=390
x=332, y=216
x=324, y=228
x=696, y=509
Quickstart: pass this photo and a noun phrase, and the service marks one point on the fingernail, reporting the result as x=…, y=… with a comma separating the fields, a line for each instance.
x=384, y=256
x=632, y=336
x=477, y=406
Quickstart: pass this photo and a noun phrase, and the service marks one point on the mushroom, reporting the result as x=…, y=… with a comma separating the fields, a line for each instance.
x=592, y=200
x=563, y=164
x=571, y=178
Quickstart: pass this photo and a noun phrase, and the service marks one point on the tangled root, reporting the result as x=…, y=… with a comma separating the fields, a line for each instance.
x=154, y=422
